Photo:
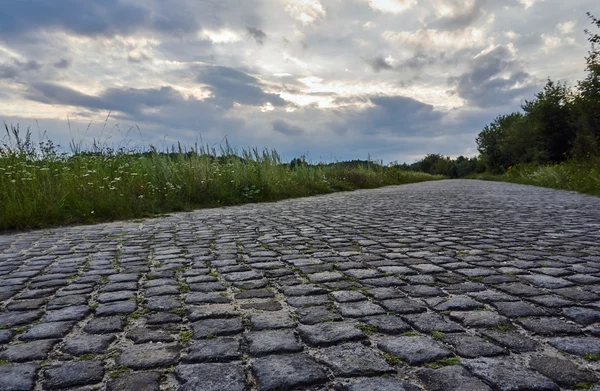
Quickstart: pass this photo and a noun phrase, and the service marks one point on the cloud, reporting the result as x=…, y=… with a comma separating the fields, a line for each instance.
x=438, y=40
x=258, y=35
x=127, y=100
x=404, y=113
x=458, y=15
x=92, y=17
x=220, y=36
x=305, y=11
x=494, y=78
x=566, y=27
x=11, y=71
x=392, y=6
x=62, y=64
x=379, y=63
x=420, y=60
x=8, y=71
x=284, y=127
x=528, y=3
x=230, y=85
x=137, y=56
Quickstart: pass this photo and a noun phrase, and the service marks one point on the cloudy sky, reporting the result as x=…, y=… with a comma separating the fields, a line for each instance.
x=336, y=79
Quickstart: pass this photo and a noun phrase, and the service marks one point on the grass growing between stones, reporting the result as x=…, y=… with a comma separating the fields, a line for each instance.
x=443, y=363
x=391, y=358
x=43, y=187
x=583, y=386
x=581, y=175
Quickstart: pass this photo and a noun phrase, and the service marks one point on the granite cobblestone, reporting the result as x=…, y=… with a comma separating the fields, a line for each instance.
x=449, y=285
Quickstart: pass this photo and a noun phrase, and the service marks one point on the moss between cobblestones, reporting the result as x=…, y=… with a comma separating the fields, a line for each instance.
x=443, y=363
x=583, y=386
x=185, y=336
x=391, y=359
x=116, y=371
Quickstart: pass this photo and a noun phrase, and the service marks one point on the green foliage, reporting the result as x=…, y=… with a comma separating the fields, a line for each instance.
x=503, y=327
x=117, y=371
x=559, y=123
x=41, y=187
x=583, y=386
x=436, y=164
x=367, y=329
x=437, y=335
x=391, y=359
x=185, y=336
x=443, y=363
x=582, y=175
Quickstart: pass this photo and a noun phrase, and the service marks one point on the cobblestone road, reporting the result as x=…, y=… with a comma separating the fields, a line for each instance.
x=451, y=285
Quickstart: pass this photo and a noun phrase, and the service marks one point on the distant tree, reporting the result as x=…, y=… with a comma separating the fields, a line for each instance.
x=428, y=162
x=298, y=162
x=492, y=142
x=550, y=118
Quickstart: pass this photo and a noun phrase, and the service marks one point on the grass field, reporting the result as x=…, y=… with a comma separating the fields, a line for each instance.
x=581, y=175
x=43, y=187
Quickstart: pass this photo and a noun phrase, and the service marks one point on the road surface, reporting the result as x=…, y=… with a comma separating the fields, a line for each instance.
x=449, y=285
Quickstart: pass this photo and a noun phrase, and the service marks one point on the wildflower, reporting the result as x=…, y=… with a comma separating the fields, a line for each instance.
x=141, y=196
x=92, y=212
x=13, y=181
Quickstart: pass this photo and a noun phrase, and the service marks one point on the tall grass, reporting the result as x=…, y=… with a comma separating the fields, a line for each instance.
x=42, y=187
x=582, y=175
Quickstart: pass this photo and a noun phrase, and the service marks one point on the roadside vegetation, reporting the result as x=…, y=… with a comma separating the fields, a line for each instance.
x=554, y=141
x=40, y=186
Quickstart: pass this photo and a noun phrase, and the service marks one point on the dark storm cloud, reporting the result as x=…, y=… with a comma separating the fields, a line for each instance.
x=127, y=100
x=62, y=64
x=54, y=94
x=8, y=71
x=91, y=17
x=11, y=71
x=284, y=127
x=379, y=64
x=258, y=35
x=494, y=79
x=230, y=85
x=173, y=111
x=397, y=115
